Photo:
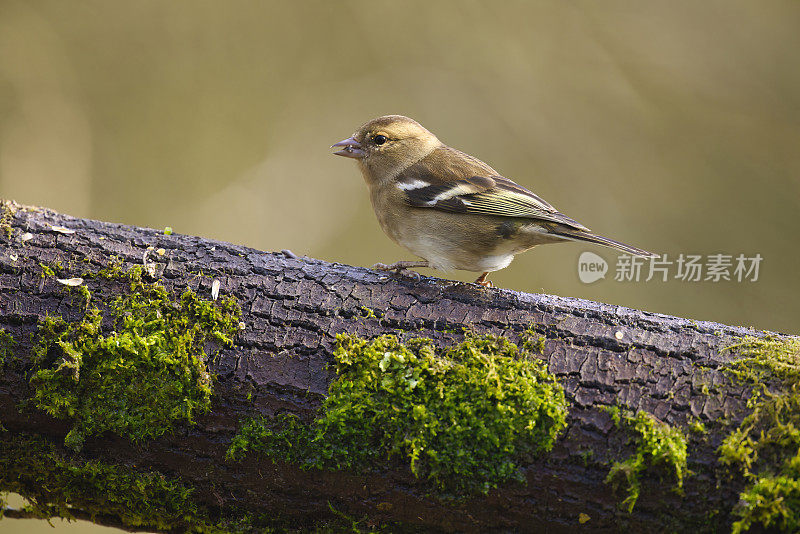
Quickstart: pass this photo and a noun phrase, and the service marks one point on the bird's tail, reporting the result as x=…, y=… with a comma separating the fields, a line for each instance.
x=577, y=235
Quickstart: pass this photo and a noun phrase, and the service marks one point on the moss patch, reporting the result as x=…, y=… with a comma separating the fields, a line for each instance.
x=7, y=210
x=7, y=345
x=658, y=445
x=764, y=447
x=134, y=366
x=462, y=418
x=47, y=270
x=56, y=484
x=532, y=341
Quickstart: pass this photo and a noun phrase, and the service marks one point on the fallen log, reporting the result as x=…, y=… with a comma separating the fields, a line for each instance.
x=652, y=433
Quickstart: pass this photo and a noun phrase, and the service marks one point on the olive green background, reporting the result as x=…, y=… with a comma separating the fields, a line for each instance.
x=674, y=126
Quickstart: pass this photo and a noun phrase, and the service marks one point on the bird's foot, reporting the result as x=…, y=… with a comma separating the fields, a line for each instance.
x=484, y=281
x=402, y=268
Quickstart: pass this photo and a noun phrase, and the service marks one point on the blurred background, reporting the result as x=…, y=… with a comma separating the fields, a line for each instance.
x=674, y=126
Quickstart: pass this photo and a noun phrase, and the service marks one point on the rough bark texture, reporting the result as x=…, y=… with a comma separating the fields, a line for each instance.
x=293, y=308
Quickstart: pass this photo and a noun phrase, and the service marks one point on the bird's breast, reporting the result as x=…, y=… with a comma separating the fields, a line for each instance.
x=446, y=240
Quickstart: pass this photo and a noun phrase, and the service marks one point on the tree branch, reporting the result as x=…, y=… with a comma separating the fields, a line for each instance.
x=293, y=308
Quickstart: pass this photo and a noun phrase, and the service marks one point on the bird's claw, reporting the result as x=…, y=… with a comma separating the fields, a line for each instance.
x=398, y=268
x=411, y=274
x=484, y=281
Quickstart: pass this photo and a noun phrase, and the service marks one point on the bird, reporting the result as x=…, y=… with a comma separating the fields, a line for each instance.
x=451, y=209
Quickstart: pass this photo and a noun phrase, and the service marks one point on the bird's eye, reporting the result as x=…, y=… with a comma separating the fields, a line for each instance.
x=379, y=139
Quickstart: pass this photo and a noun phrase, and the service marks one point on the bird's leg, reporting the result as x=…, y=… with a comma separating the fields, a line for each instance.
x=483, y=280
x=402, y=267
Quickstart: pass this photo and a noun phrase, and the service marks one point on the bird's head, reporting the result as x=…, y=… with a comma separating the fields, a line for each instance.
x=387, y=145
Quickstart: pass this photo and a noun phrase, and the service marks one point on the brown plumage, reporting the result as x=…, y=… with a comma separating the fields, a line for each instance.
x=450, y=208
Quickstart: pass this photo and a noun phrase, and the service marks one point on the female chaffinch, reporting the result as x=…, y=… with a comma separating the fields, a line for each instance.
x=450, y=208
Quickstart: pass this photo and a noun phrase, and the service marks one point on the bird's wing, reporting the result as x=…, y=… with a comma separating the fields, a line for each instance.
x=450, y=180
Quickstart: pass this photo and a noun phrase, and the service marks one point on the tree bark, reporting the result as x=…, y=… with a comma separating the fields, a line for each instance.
x=604, y=355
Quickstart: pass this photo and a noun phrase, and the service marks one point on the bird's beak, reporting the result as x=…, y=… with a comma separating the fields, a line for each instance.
x=352, y=148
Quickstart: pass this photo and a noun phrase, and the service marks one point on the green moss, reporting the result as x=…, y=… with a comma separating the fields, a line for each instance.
x=369, y=313
x=115, y=270
x=83, y=294
x=46, y=270
x=766, y=358
x=532, y=341
x=764, y=447
x=771, y=501
x=134, y=366
x=7, y=210
x=586, y=456
x=657, y=445
x=7, y=345
x=462, y=418
x=55, y=484
x=697, y=427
